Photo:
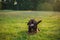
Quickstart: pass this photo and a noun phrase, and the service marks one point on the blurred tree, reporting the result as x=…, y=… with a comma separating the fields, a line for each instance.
x=0, y=5
x=7, y=4
x=27, y=4
x=57, y=5
x=45, y=7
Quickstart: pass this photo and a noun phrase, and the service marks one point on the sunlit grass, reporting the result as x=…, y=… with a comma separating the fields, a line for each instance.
x=13, y=25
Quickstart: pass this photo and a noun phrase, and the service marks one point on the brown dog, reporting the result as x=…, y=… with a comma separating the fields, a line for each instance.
x=32, y=26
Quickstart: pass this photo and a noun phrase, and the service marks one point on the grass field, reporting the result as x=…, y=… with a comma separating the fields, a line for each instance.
x=13, y=25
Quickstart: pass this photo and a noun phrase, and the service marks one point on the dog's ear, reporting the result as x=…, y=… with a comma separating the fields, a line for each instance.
x=39, y=21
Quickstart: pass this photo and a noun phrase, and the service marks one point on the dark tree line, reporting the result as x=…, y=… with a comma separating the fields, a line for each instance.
x=7, y=4
x=19, y=4
x=44, y=5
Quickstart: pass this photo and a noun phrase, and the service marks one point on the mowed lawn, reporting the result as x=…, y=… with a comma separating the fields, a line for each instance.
x=13, y=25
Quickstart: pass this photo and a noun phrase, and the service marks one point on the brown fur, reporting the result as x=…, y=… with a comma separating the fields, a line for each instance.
x=32, y=26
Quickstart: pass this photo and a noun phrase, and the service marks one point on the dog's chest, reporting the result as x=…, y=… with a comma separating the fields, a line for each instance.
x=32, y=24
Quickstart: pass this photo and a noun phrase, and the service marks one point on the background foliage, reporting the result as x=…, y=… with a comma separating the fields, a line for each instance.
x=44, y=5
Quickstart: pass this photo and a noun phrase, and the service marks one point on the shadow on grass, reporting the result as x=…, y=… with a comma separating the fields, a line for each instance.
x=20, y=36
x=24, y=35
x=6, y=36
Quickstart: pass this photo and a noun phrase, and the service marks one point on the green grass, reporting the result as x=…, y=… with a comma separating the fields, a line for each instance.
x=13, y=25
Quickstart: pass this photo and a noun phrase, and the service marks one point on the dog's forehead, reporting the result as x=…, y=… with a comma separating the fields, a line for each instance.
x=32, y=19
